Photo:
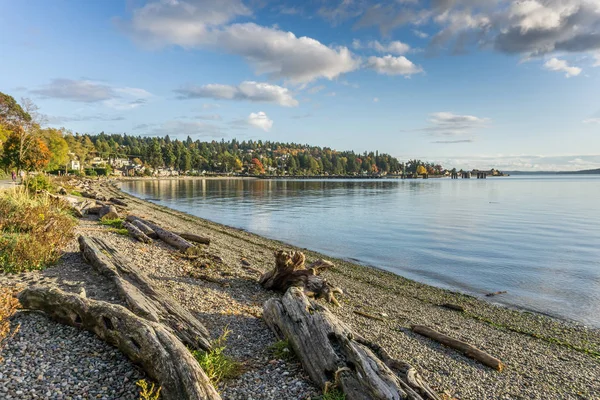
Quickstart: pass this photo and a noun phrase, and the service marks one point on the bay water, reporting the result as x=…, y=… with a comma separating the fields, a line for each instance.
x=535, y=237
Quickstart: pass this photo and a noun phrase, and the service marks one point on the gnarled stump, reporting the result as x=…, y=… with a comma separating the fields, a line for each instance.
x=149, y=344
x=335, y=356
x=170, y=238
x=141, y=297
x=290, y=271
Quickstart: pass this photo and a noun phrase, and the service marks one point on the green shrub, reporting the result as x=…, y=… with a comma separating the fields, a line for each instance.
x=215, y=363
x=38, y=182
x=33, y=230
x=333, y=394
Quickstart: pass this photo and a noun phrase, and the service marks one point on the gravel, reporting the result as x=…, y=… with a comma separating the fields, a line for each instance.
x=48, y=360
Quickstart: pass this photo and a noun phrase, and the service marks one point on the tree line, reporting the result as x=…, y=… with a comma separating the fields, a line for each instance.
x=26, y=145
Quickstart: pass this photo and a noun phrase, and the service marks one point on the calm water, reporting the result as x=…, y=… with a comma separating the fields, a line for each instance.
x=536, y=237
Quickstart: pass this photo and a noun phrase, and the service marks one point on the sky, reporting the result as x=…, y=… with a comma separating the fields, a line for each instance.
x=513, y=85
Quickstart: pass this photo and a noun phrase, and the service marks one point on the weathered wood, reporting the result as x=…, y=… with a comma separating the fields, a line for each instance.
x=465, y=348
x=496, y=293
x=149, y=344
x=367, y=315
x=140, y=295
x=117, y=201
x=455, y=307
x=94, y=210
x=172, y=239
x=108, y=212
x=136, y=233
x=195, y=238
x=334, y=356
x=290, y=271
x=141, y=226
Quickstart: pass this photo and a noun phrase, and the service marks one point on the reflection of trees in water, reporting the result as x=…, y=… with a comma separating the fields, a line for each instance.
x=263, y=189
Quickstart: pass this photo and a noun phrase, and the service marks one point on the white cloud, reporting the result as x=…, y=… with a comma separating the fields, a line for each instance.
x=395, y=47
x=591, y=121
x=179, y=128
x=248, y=90
x=554, y=64
x=449, y=124
x=375, y=99
x=77, y=90
x=597, y=62
x=420, y=34
x=391, y=65
x=260, y=120
x=271, y=51
x=88, y=91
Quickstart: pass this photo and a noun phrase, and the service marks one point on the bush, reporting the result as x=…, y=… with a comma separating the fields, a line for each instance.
x=33, y=230
x=38, y=182
x=148, y=391
x=217, y=365
x=8, y=306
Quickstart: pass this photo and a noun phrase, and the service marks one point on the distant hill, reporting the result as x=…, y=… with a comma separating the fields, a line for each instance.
x=582, y=172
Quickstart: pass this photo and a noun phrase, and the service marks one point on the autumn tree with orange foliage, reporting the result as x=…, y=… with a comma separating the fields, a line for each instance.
x=257, y=167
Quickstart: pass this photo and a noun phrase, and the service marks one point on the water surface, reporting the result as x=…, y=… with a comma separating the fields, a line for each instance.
x=536, y=237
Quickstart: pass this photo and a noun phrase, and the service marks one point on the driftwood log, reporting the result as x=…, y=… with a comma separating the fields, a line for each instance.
x=141, y=226
x=170, y=238
x=117, y=201
x=141, y=297
x=334, y=356
x=108, y=212
x=195, y=238
x=149, y=344
x=290, y=271
x=136, y=233
x=465, y=348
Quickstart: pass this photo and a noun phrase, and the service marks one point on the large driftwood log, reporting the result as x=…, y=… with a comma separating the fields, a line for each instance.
x=195, y=238
x=149, y=344
x=171, y=238
x=108, y=212
x=136, y=233
x=290, y=271
x=141, y=226
x=117, y=201
x=465, y=348
x=334, y=356
x=141, y=297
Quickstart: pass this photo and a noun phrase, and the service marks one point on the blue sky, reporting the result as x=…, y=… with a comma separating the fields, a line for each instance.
x=486, y=83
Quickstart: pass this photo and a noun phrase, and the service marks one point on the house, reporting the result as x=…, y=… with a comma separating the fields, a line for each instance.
x=74, y=164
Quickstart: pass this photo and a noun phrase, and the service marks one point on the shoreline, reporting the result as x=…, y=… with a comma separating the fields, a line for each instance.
x=477, y=296
x=545, y=358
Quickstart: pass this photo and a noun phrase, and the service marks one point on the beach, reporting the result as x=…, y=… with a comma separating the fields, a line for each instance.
x=545, y=358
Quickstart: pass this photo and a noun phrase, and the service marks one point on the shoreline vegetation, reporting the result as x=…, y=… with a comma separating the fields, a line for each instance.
x=540, y=357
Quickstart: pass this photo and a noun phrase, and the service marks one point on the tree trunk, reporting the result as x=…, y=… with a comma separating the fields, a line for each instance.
x=465, y=348
x=136, y=233
x=141, y=297
x=141, y=226
x=334, y=356
x=149, y=344
x=195, y=238
x=290, y=271
x=172, y=239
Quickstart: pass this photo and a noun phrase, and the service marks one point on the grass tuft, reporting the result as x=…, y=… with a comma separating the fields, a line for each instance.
x=33, y=230
x=215, y=363
x=116, y=223
x=282, y=350
x=148, y=391
x=333, y=394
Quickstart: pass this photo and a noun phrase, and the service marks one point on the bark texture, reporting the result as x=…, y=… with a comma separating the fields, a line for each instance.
x=149, y=344
x=290, y=271
x=334, y=356
x=139, y=294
